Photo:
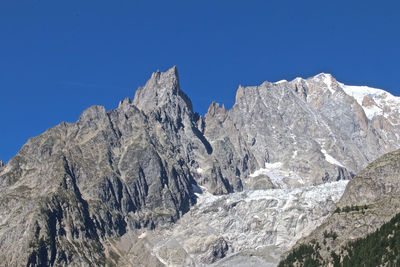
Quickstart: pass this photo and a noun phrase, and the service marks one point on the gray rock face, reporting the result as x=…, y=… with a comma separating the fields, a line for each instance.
x=71, y=191
x=1, y=163
x=162, y=100
x=312, y=128
x=79, y=184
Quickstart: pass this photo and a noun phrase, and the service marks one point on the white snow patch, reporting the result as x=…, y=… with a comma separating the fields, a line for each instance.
x=358, y=92
x=277, y=175
x=328, y=82
x=202, y=194
x=199, y=170
x=281, y=81
x=331, y=159
x=372, y=111
x=142, y=235
x=382, y=99
x=268, y=167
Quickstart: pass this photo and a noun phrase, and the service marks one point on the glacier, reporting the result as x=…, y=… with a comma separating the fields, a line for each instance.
x=255, y=226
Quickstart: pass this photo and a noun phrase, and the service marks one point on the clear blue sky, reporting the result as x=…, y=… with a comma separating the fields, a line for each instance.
x=59, y=57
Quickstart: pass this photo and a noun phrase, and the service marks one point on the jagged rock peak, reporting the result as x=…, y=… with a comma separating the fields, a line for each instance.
x=126, y=102
x=161, y=89
x=324, y=78
x=1, y=163
x=215, y=109
x=239, y=93
x=322, y=75
x=321, y=80
x=93, y=114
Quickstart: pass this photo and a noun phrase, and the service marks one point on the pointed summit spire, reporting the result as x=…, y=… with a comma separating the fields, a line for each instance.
x=171, y=75
x=161, y=89
x=215, y=109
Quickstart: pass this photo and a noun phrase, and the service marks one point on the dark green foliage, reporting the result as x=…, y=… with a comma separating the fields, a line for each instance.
x=335, y=258
x=351, y=208
x=331, y=234
x=305, y=255
x=379, y=248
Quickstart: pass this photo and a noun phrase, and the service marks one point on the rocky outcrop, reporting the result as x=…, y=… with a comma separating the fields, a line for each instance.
x=371, y=199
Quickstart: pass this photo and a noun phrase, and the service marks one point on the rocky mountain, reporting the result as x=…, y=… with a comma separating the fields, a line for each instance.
x=77, y=185
x=82, y=193
x=371, y=199
x=312, y=130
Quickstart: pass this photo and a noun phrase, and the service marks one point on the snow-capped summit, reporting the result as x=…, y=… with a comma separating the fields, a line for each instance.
x=375, y=102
